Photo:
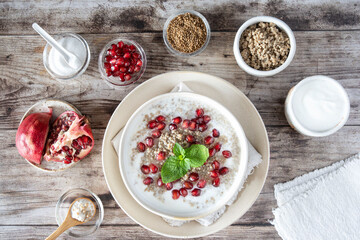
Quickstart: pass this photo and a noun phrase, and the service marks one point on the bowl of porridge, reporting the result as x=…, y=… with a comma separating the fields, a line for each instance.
x=264, y=46
x=183, y=155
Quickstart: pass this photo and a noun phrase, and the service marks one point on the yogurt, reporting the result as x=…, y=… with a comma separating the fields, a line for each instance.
x=317, y=106
x=83, y=210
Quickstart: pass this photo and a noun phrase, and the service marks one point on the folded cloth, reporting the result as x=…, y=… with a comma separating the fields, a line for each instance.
x=323, y=204
x=254, y=159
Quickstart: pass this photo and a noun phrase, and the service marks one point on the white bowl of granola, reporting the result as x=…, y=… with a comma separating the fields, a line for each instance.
x=264, y=46
x=183, y=155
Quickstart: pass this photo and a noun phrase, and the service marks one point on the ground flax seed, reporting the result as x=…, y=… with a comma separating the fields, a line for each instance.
x=186, y=33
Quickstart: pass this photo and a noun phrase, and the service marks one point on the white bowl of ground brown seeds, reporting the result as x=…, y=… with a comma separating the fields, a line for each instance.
x=264, y=46
x=186, y=33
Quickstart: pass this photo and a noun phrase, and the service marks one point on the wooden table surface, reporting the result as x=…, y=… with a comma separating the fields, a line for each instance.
x=328, y=43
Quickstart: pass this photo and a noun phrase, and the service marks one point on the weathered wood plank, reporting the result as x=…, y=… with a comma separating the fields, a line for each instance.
x=25, y=81
x=292, y=155
x=143, y=16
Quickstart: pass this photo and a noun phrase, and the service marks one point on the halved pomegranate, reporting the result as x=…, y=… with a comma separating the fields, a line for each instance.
x=70, y=138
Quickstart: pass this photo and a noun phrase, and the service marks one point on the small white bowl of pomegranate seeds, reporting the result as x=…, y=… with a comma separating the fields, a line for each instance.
x=122, y=62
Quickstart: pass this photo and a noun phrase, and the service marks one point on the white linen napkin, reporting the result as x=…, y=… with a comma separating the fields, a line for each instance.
x=254, y=159
x=323, y=204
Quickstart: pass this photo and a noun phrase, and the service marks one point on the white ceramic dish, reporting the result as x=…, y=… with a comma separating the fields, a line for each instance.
x=58, y=107
x=258, y=73
x=170, y=208
x=207, y=85
x=293, y=121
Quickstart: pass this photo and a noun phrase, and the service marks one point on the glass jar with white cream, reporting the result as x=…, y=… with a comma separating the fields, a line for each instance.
x=317, y=106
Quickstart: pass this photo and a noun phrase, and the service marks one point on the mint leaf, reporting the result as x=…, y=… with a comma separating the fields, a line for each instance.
x=178, y=150
x=197, y=155
x=185, y=164
x=173, y=169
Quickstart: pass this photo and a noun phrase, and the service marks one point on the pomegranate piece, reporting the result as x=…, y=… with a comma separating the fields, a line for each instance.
x=193, y=177
x=216, y=182
x=196, y=192
x=121, y=44
x=192, y=126
x=199, y=112
x=145, y=169
x=186, y=124
x=127, y=77
x=201, y=183
x=149, y=141
x=160, y=183
x=161, y=156
x=175, y=194
x=190, y=139
x=139, y=63
x=212, y=152
x=217, y=147
x=148, y=181
x=168, y=186
x=127, y=55
x=223, y=170
x=214, y=174
x=207, y=118
x=226, y=154
x=188, y=185
x=140, y=146
x=177, y=120
x=215, y=165
x=161, y=126
x=70, y=130
x=152, y=124
x=208, y=140
x=172, y=126
x=183, y=192
x=156, y=133
x=215, y=133
x=160, y=118
x=31, y=136
x=153, y=168
x=202, y=127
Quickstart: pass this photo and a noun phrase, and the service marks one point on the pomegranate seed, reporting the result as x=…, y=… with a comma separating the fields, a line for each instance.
x=201, y=183
x=145, y=169
x=226, y=154
x=120, y=61
x=185, y=123
x=123, y=69
x=188, y=185
x=108, y=58
x=148, y=181
x=212, y=152
x=200, y=120
x=161, y=126
x=112, y=52
x=161, y=156
x=217, y=147
x=122, y=78
x=139, y=63
x=196, y=192
x=135, y=55
x=193, y=177
x=160, y=118
x=190, y=139
x=127, y=77
x=149, y=141
x=113, y=47
x=177, y=120
x=214, y=174
x=172, y=126
x=112, y=61
x=216, y=182
x=127, y=63
x=107, y=65
x=116, y=74
x=131, y=69
x=169, y=186
x=137, y=68
x=121, y=44
x=76, y=159
x=202, y=127
x=132, y=48
x=183, y=192
x=175, y=194
x=223, y=171
x=65, y=148
x=207, y=118
x=141, y=147
x=156, y=133
x=208, y=140
x=67, y=162
x=215, y=165
x=192, y=126
x=199, y=112
x=152, y=124
x=160, y=183
x=127, y=55
x=216, y=133
x=153, y=168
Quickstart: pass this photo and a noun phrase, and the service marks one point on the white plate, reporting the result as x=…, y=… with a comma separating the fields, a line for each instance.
x=217, y=89
x=58, y=107
x=169, y=208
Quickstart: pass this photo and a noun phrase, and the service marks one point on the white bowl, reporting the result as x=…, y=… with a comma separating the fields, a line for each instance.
x=172, y=208
x=294, y=123
x=258, y=73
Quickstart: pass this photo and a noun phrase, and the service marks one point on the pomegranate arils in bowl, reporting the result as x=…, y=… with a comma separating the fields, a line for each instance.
x=156, y=133
x=160, y=183
x=208, y=140
x=161, y=156
x=215, y=133
x=145, y=169
x=177, y=120
x=215, y=165
x=141, y=147
x=183, y=192
x=185, y=124
x=152, y=124
x=216, y=182
x=223, y=171
x=153, y=168
x=149, y=141
x=199, y=112
x=202, y=127
x=201, y=183
x=188, y=185
x=172, y=126
x=196, y=192
x=168, y=186
x=148, y=181
x=160, y=118
x=226, y=154
x=194, y=176
x=175, y=194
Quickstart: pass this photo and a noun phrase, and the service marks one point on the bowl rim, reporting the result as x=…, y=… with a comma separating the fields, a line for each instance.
x=241, y=168
x=166, y=25
x=259, y=73
x=291, y=118
x=101, y=61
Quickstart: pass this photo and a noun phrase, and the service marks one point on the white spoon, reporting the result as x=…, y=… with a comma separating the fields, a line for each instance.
x=73, y=61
